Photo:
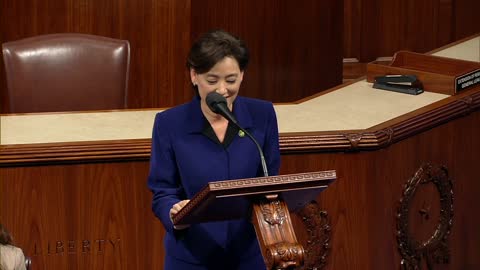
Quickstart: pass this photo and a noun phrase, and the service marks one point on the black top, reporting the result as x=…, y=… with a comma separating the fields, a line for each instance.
x=232, y=131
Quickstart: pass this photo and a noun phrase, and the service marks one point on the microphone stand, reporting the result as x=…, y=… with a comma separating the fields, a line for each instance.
x=260, y=151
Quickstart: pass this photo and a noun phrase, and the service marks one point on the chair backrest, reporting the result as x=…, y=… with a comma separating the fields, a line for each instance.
x=66, y=72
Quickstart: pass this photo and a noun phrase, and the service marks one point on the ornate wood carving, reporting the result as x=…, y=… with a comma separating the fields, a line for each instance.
x=389, y=133
x=319, y=232
x=468, y=102
x=279, y=245
x=271, y=197
x=273, y=213
x=435, y=248
x=354, y=139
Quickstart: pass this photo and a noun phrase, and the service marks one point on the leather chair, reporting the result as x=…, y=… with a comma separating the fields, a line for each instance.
x=66, y=72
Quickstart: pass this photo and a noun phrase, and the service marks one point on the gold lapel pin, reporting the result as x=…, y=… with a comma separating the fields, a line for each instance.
x=241, y=133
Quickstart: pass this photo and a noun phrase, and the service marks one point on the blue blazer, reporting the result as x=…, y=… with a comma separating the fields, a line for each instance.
x=183, y=160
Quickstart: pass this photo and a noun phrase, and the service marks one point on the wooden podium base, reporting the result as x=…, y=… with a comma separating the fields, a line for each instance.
x=271, y=197
x=275, y=234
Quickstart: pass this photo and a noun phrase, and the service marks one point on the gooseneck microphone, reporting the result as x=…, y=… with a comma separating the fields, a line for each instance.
x=218, y=104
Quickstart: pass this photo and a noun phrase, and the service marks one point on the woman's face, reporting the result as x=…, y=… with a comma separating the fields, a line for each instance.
x=225, y=78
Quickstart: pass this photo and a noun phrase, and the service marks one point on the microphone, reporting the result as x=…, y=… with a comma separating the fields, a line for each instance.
x=218, y=104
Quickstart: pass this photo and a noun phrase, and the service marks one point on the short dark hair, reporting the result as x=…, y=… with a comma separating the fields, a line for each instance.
x=212, y=47
x=5, y=237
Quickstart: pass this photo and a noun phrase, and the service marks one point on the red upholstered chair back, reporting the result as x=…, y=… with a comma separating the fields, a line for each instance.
x=66, y=72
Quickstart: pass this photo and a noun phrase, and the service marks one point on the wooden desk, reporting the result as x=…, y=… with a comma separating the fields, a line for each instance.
x=73, y=185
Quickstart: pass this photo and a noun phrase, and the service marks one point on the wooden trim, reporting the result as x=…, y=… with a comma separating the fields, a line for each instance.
x=216, y=192
x=376, y=137
x=385, y=134
x=453, y=44
x=74, y=152
x=84, y=112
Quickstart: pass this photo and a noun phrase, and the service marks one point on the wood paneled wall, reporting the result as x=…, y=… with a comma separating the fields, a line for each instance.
x=83, y=216
x=295, y=45
x=96, y=215
x=378, y=28
x=362, y=203
x=466, y=18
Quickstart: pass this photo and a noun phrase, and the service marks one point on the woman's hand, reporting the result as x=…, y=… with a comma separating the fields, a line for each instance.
x=174, y=210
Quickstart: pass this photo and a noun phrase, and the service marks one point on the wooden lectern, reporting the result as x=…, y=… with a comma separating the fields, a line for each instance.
x=267, y=200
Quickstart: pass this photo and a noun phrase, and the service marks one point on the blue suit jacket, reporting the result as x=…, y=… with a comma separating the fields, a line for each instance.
x=183, y=160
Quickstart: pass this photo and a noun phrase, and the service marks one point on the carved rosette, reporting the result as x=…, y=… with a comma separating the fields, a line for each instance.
x=318, y=240
x=435, y=248
x=273, y=213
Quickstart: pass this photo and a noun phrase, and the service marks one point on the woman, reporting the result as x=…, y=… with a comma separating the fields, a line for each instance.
x=11, y=257
x=191, y=145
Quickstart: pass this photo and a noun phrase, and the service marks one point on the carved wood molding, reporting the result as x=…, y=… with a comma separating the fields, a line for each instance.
x=383, y=136
x=75, y=152
x=332, y=141
x=435, y=248
x=319, y=233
